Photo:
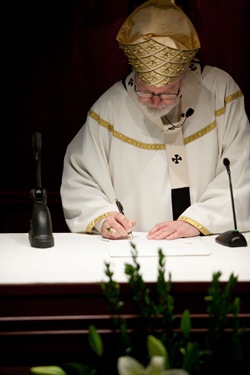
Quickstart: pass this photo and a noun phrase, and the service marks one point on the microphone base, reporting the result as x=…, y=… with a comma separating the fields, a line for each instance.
x=231, y=238
x=41, y=241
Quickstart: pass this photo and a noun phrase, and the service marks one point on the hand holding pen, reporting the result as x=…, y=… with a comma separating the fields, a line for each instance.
x=121, y=210
x=117, y=225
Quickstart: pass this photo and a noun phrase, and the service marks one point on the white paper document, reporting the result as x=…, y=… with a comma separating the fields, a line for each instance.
x=150, y=248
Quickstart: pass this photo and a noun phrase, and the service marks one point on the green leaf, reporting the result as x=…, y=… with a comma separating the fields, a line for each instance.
x=236, y=348
x=191, y=356
x=74, y=368
x=156, y=348
x=47, y=370
x=185, y=324
x=95, y=341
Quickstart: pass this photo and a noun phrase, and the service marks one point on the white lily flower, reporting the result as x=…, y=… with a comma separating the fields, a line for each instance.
x=156, y=366
x=130, y=366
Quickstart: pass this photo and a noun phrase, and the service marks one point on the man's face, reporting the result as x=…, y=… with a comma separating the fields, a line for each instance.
x=158, y=100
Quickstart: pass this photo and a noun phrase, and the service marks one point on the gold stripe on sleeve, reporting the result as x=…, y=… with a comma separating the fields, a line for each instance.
x=93, y=222
x=195, y=224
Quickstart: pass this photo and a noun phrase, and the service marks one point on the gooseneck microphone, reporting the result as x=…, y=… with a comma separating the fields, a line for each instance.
x=226, y=162
x=231, y=238
x=40, y=233
x=37, y=152
x=189, y=113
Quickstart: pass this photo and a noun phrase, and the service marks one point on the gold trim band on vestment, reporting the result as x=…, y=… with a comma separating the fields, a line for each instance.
x=228, y=99
x=200, y=133
x=122, y=137
x=159, y=146
x=93, y=222
x=148, y=146
x=195, y=224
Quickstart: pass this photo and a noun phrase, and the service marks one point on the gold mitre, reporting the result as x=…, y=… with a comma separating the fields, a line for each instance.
x=159, y=41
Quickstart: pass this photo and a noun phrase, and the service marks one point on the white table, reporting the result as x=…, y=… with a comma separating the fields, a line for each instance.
x=79, y=258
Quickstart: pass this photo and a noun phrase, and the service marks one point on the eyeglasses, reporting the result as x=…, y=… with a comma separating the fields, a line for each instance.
x=162, y=96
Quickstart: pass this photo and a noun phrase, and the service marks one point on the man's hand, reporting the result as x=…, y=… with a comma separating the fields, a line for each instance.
x=117, y=226
x=171, y=230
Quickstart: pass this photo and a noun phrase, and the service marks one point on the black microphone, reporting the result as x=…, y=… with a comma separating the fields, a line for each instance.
x=189, y=113
x=40, y=233
x=231, y=238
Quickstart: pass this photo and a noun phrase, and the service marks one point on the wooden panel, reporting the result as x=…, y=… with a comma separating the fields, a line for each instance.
x=54, y=319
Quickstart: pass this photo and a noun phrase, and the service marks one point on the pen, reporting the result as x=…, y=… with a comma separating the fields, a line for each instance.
x=121, y=210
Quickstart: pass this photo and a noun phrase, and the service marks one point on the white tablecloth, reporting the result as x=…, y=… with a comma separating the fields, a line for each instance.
x=80, y=258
